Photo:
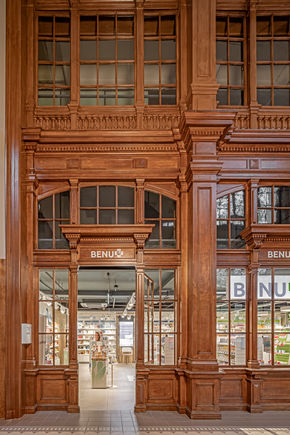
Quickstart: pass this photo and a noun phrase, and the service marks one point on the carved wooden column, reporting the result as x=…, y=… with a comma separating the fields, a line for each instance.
x=203, y=87
x=139, y=62
x=75, y=70
x=140, y=201
x=253, y=103
x=183, y=51
x=74, y=206
x=30, y=63
x=200, y=133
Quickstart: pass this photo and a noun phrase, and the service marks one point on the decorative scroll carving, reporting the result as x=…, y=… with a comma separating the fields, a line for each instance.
x=93, y=148
x=107, y=122
x=265, y=120
x=160, y=122
x=242, y=121
x=258, y=235
x=53, y=122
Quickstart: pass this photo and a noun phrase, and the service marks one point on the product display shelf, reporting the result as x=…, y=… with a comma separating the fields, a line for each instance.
x=86, y=332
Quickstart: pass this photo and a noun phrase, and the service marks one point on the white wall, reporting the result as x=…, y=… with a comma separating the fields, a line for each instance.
x=2, y=126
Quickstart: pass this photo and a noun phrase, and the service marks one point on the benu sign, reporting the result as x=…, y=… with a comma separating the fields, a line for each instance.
x=278, y=254
x=118, y=253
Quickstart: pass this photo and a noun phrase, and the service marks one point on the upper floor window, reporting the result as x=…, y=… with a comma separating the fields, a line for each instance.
x=52, y=212
x=230, y=220
x=160, y=60
x=274, y=205
x=230, y=65
x=53, y=60
x=273, y=60
x=107, y=60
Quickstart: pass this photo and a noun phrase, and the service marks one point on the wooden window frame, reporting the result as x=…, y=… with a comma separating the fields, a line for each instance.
x=273, y=208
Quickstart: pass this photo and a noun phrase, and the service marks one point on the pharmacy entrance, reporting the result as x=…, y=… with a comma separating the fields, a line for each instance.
x=106, y=338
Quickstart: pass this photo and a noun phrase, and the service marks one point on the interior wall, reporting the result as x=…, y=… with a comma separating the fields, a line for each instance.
x=2, y=205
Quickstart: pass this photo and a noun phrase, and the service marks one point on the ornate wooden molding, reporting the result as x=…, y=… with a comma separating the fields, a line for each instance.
x=101, y=148
x=257, y=235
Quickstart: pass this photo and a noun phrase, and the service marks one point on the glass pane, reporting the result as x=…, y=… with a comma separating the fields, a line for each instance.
x=237, y=204
x=60, y=241
x=88, y=50
x=150, y=26
x=281, y=50
x=45, y=349
x=222, y=207
x=125, y=196
x=45, y=97
x=45, y=208
x=62, y=205
x=282, y=349
x=168, y=96
x=106, y=49
x=45, y=234
x=167, y=284
x=88, y=196
x=167, y=349
x=282, y=196
x=236, y=26
x=154, y=240
x=45, y=323
x=88, y=217
x=125, y=25
x=167, y=317
x=238, y=284
x=62, y=75
x=168, y=74
x=107, y=97
x=45, y=50
x=282, y=283
x=61, y=317
x=238, y=317
x=126, y=96
x=265, y=197
x=45, y=284
x=151, y=96
x=236, y=75
x=236, y=51
x=223, y=349
x=156, y=349
x=88, y=25
x=222, y=235
x=282, y=316
x=222, y=316
x=222, y=284
x=168, y=235
x=221, y=74
x=264, y=316
x=264, y=349
x=263, y=75
x=125, y=49
x=222, y=97
x=151, y=74
x=282, y=216
x=281, y=26
x=61, y=283
x=45, y=74
x=107, y=25
x=264, y=285
x=264, y=97
x=151, y=49
x=168, y=25
x=236, y=97
x=221, y=26
x=154, y=275
x=264, y=216
x=168, y=207
x=281, y=97
x=61, y=349
x=125, y=216
x=62, y=51
x=107, y=74
x=107, y=196
x=107, y=216
x=88, y=97
x=263, y=50
x=125, y=73
x=62, y=97
x=45, y=26
x=238, y=350
x=168, y=49
x=236, y=228
x=263, y=25
x=151, y=205
x=88, y=74
x=221, y=51
x=62, y=26
x=281, y=75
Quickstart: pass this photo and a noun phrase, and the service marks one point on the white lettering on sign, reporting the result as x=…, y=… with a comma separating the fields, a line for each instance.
x=278, y=254
x=118, y=253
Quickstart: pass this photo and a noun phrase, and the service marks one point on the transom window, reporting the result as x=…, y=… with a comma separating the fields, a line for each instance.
x=273, y=297
x=230, y=220
x=160, y=322
x=107, y=60
x=231, y=316
x=273, y=60
x=53, y=60
x=52, y=212
x=107, y=205
x=274, y=205
x=53, y=317
x=230, y=65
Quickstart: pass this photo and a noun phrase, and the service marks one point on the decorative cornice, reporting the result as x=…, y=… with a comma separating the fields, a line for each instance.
x=101, y=148
x=256, y=235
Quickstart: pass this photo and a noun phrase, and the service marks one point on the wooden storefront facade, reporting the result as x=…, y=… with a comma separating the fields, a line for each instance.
x=193, y=151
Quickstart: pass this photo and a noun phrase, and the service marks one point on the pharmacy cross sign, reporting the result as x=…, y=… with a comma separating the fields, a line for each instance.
x=118, y=253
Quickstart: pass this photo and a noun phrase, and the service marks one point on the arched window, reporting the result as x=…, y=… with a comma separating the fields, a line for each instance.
x=52, y=212
x=230, y=213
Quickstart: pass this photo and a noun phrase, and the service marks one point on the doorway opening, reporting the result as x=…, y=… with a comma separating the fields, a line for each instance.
x=106, y=338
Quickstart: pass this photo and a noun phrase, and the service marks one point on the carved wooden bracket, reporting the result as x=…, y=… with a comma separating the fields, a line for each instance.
x=259, y=236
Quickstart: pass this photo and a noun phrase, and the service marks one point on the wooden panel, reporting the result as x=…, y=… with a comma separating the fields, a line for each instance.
x=275, y=389
x=51, y=389
x=2, y=337
x=161, y=389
